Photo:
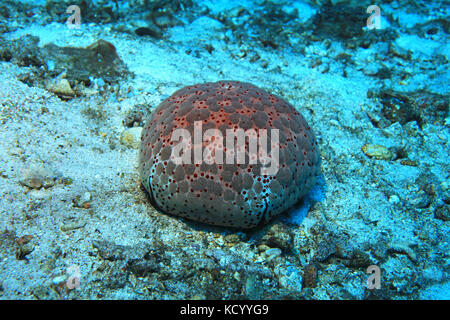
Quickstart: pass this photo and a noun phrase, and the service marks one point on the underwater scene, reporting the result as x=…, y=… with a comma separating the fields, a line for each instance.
x=224, y=150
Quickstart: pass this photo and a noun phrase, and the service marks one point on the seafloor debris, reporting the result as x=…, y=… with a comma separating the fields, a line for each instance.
x=310, y=276
x=269, y=25
x=279, y=236
x=420, y=106
x=61, y=87
x=39, y=178
x=148, y=31
x=24, y=51
x=376, y=151
x=136, y=116
x=131, y=137
x=98, y=60
x=346, y=22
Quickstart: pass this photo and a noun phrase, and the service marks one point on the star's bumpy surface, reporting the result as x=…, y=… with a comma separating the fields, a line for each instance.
x=233, y=195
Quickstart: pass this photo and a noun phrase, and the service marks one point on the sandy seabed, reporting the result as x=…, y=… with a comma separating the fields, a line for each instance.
x=71, y=195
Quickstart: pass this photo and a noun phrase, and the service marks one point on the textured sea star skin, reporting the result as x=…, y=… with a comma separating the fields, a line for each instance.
x=232, y=195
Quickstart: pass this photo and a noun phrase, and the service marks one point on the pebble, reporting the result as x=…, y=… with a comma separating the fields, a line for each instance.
x=232, y=239
x=289, y=276
x=72, y=226
x=412, y=128
x=394, y=199
x=82, y=201
x=16, y=151
x=136, y=116
x=272, y=253
x=60, y=87
x=377, y=151
x=278, y=237
x=23, y=249
x=86, y=197
x=419, y=199
x=370, y=69
x=403, y=248
x=410, y=163
x=38, y=178
x=131, y=137
x=146, y=31
x=219, y=240
x=57, y=280
x=394, y=130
